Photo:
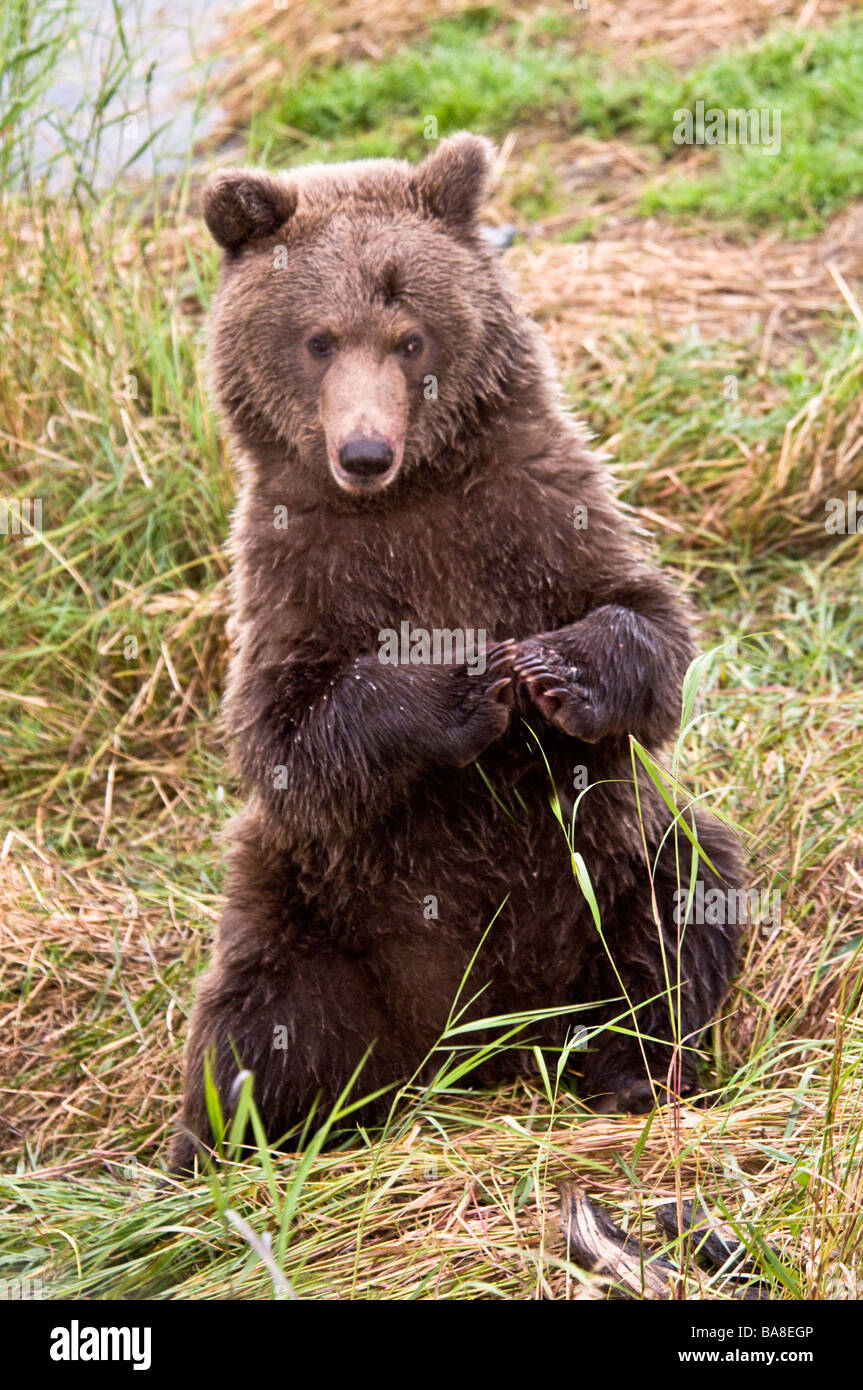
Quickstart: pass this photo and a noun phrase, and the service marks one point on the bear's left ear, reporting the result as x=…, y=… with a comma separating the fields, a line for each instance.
x=240, y=204
x=451, y=183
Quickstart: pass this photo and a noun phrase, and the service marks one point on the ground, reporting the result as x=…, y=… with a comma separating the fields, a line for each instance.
x=704, y=304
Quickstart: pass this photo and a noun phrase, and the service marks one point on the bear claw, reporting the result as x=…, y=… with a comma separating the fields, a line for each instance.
x=556, y=692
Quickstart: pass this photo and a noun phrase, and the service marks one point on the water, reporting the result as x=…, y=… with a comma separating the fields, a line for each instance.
x=122, y=98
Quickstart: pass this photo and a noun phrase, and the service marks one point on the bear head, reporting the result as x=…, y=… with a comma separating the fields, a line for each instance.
x=363, y=331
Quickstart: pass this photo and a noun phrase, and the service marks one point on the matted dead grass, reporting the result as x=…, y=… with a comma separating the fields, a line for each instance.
x=689, y=30
x=93, y=1043
x=651, y=274
x=93, y=970
x=443, y=1191
x=101, y=975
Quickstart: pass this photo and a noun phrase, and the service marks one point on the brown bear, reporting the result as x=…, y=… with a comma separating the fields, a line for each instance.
x=440, y=614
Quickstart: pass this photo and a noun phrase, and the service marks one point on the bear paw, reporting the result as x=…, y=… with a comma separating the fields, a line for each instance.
x=635, y=1097
x=558, y=692
x=483, y=707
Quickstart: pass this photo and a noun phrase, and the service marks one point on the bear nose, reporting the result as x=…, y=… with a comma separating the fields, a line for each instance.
x=365, y=455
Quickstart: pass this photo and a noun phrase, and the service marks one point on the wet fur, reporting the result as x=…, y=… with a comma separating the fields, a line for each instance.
x=324, y=933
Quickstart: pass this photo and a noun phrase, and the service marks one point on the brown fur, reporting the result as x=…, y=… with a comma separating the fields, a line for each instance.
x=471, y=527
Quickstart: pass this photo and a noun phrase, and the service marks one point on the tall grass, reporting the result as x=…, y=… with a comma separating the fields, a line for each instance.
x=114, y=783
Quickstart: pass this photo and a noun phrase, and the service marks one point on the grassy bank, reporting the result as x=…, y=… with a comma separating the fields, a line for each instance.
x=733, y=421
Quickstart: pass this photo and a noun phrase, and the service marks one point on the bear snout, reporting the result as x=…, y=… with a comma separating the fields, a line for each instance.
x=364, y=414
x=366, y=455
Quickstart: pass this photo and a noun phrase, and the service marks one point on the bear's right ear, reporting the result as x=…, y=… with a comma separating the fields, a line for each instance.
x=451, y=182
x=240, y=204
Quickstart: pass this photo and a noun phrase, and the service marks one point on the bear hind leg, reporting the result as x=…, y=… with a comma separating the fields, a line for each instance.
x=301, y=1027
x=629, y=1073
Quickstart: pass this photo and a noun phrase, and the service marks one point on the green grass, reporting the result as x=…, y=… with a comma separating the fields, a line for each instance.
x=134, y=494
x=48, y=139
x=814, y=82
x=682, y=438
x=487, y=77
x=30, y=43
x=466, y=75
x=115, y=783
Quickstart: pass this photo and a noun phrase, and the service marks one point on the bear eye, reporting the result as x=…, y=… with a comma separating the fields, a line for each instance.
x=411, y=347
x=321, y=345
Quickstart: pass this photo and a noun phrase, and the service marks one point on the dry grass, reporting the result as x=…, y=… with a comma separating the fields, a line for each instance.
x=686, y=32
x=767, y=303
x=113, y=800
x=78, y=947
x=668, y=282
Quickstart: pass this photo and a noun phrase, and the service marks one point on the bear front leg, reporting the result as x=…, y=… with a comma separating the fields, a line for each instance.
x=619, y=670
x=328, y=748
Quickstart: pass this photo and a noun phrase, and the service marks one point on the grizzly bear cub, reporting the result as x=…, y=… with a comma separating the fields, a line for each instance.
x=429, y=565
